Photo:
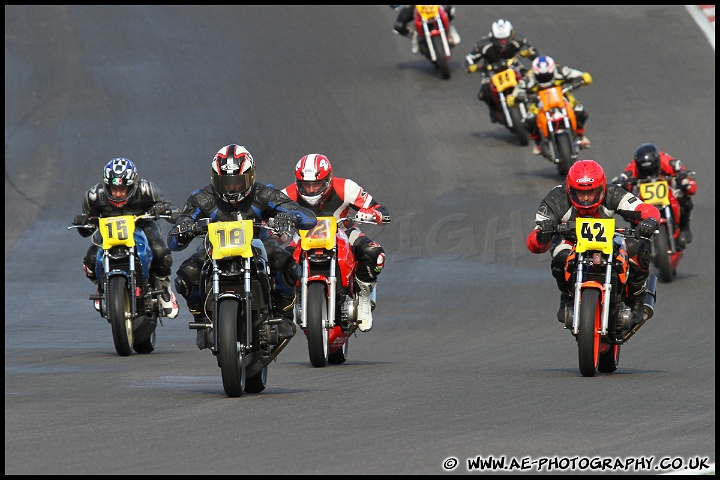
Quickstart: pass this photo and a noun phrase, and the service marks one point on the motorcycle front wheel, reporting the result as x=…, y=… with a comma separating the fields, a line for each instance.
x=662, y=256
x=589, y=335
x=118, y=301
x=564, y=152
x=442, y=61
x=317, y=334
x=230, y=356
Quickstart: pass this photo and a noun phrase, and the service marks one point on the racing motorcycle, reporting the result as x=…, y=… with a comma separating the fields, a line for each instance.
x=557, y=123
x=432, y=34
x=126, y=293
x=236, y=284
x=601, y=320
x=327, y=310
x=504, y=77
x=666, y=254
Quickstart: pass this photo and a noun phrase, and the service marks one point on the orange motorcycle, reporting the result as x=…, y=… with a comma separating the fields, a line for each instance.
x=557, y=124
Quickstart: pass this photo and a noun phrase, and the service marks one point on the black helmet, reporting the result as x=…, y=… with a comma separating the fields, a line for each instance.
x=647, y=160
x=233, y=173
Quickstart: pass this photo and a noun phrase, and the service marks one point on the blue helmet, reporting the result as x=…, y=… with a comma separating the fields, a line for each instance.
x=120, y=179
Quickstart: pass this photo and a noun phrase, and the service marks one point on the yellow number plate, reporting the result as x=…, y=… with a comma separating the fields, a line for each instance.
x=594, y=234
x=504, y=80
x=655, y=193
x=321, y=235
x=231, y=239
x=117, y=231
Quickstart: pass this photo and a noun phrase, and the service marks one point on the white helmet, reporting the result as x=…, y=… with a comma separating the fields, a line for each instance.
x=502, y=32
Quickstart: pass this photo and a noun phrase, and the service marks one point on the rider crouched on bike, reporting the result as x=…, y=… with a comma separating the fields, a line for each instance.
x=545, y=73
x=650, y=162
x=316, y=188
x=406, y=14
x=122, y=192
x=233, y=189
x=585, y=194
x=503, y=43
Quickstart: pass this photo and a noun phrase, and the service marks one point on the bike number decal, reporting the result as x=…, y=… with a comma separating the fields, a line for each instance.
x=231, y=239
x=504, y=80
x=594, y=234
x=655, y=193
x=117, y=231
x=427, y=12
x=551, y=98
x=322, y=235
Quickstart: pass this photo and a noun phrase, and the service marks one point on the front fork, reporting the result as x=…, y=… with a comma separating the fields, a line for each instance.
x=604, y=289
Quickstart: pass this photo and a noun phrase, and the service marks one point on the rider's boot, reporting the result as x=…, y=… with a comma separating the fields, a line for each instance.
x=364, y=308
x=636, y=299
x=454, y=35
x=564, y=314
x=167, y=298
x=204, y=337
x=284, y=308
x=685, y=236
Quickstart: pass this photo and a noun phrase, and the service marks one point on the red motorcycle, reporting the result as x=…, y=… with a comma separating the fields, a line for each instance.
x=432, y=33
x=666, y=254
x=504, y=77
x=327, y=309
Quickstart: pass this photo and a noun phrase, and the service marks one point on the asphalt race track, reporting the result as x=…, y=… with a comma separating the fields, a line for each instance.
x=466, y=358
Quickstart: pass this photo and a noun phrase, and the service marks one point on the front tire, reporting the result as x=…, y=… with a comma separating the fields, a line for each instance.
x=118, y=299
x=317, y=334
x=442, y=62
x=230, y=356
x=565, y=153
x=662, y=257
x=589, y=334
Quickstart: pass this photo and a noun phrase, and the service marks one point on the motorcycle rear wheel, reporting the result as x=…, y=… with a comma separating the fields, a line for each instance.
x=609, y=360
x=589, y=334
x=118, y=299
x=256, y=383
x=662, y=257
x=317, y=334
x=518, y=127
x=339, y=357
x=230, y=356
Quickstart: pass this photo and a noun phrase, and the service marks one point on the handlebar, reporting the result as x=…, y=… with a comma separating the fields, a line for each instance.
x=92, y=222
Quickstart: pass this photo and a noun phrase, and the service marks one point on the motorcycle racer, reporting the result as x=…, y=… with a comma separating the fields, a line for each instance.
x=316, y=188
x=650, y=162
x=543, y=74
x=233, y=189
x=122, y=192
x=502, y=43
x=586, y=194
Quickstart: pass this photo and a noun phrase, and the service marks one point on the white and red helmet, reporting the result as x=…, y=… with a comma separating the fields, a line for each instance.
x=233, y=173
x=544, y=69
x=313, y=177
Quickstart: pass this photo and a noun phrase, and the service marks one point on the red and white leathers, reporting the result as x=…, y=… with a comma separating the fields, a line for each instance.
x=346, y=196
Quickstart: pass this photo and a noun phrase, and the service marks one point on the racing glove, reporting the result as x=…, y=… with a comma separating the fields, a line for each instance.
x=80, y=220
x=646, y=228
x=369, y=215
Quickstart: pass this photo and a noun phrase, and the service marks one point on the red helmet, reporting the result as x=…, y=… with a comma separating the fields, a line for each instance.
x=313, y=177
x=586, y=185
